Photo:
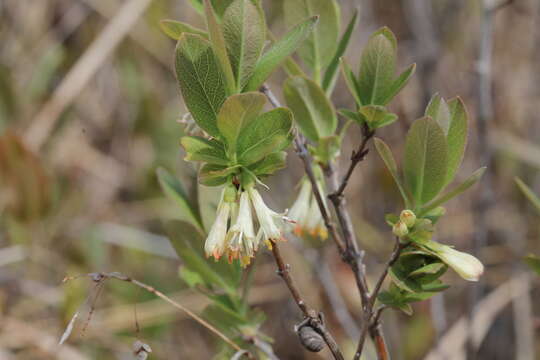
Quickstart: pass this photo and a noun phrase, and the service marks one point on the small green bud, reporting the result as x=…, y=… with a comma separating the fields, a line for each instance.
x=408, y=218
x=400, y=229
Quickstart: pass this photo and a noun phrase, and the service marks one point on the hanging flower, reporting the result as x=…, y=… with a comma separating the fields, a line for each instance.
x=216, y=242
x=315, y=222
x=300, y=209
x=272, y=225
x=306, y=213
x=241, y=241
x=466, y=265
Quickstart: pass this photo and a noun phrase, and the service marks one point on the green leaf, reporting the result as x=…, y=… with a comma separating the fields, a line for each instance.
x=533, y=198
x=386, y=155
x=377, y=67
x=533, y=262
x=174, y=29
x=201, y=149
x=471, y=180
x=279, y=52
x=399, y=83
x=351, y=81
x=457, y=136
x=201, y=80
x=399, y=277
x=313, y=112
x=425, y=160
x=218, y=45
x=266, y=134
x=189, y=244
x=215, y=175
x=270, y=164
x=432, y=268
x=352, y=115
x=438, y=110
x=244, y=30
x=376, y=116
x=173, y=189
x=319, y=48
x=236, y=113
x=330, y=76
x=395, y=300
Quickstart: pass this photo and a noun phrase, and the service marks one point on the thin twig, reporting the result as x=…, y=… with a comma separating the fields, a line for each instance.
x=99, y=277
x=373, y=326
x=283, y=272
x=356, y=157
x=315, y=318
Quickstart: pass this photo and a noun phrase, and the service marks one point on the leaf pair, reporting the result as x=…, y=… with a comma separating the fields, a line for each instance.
x=245, y=137
x=374, y=116
x=376, y=83
x=433, y=152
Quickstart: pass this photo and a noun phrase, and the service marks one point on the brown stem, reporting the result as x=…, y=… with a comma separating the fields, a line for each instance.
x=356, y=157
x=315, y=318
x=373, y=324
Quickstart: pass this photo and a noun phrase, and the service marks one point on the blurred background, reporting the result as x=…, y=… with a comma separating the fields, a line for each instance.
x=89, y=109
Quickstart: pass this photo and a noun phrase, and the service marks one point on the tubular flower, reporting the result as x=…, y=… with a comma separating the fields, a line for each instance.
x=241, y=241
x=271, y=223
x=315, y=222
x=216, y=241
x=466, y=265
x=306, y=214
x=300, y=209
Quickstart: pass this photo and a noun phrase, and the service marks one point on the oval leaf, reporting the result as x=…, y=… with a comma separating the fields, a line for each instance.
x=312, y=110
x=236, y=113
x=201, y=80
x=244, y=30
x=377, y=67
x=321, y=45
x=201, y=149
x=268, y=133
x=425, y=160
x=279, y=52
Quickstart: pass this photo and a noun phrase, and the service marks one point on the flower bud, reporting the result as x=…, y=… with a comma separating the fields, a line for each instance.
x=408, y=218
x=400, y=229
x=466, y=265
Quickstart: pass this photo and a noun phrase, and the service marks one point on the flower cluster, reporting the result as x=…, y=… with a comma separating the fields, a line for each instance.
x=306, y=214
x=233, y=232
